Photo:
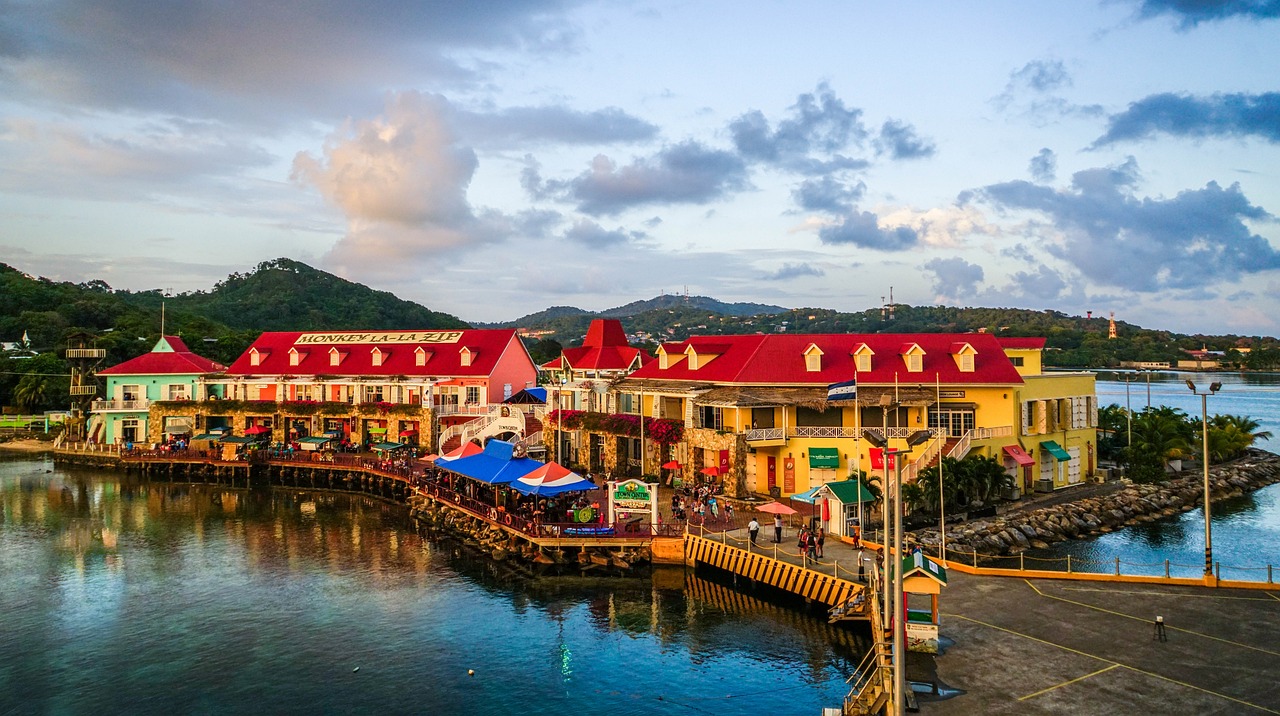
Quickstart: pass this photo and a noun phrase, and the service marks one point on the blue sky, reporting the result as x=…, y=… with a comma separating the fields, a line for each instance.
x=493, y=159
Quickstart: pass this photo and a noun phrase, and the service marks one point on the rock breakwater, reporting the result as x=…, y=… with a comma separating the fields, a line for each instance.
x=1016, y=532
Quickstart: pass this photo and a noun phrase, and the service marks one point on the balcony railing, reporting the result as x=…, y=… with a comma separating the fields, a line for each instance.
x=443, y=409
x=759, y=434
x=102, y=406
x=823, y=431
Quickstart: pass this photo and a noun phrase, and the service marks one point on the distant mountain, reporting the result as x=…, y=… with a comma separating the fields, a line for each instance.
x=541, y=317
x=696, y=303
x=286, y=295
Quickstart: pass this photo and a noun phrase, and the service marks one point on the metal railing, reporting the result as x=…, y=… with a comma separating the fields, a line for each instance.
x=823, y=431
x=1112, y=567
x=443, y=409
x=765, y=434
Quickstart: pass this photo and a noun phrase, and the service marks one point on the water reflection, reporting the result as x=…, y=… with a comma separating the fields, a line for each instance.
x=122, y=596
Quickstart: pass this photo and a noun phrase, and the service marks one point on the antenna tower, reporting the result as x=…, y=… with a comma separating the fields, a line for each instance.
x=1111, y=327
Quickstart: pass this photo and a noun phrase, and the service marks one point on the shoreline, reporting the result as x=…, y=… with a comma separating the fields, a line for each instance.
x=1025, y=527
x=26, y=445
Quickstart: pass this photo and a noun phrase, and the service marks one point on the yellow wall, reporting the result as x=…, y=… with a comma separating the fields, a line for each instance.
x=1051, y=393
x=1031, y=360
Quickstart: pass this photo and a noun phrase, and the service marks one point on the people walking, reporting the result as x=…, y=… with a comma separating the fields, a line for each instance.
x=820, y=540
x=777, y=529
x=753, y=529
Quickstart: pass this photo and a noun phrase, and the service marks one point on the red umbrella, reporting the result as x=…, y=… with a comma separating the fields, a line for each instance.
x=671, y=465
x=256, y=430
x=467, y=449
x=776, y=508
x=408, y=433
x=712, y=471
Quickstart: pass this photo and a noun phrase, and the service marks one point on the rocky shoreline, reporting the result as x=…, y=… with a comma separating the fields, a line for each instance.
x=1132, y=504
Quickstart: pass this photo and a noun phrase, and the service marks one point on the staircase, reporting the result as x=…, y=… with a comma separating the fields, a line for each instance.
x=492, y=424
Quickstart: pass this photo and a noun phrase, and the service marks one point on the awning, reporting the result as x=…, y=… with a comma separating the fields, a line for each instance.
x=408, y=433
x=808, y=496
x=1055, y=450
x=313, y=440
x=1019, y=455
x=375, y=430
x=208, y=436
x=847, y=491
x=496, y=465
x=240, y=440
x=388, y=446
x=824, y=458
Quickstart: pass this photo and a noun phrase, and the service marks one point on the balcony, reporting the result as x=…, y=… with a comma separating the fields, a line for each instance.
x=443, y=409
x=106, y=406
x=823, y=431
x=766, y=437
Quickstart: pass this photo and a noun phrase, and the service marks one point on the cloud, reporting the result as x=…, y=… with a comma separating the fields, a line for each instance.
x=401, y=181
x=862, y=229
x=1035, y=77
x=943, y=226
x=595, y=236
x=828, y=194
x=246, y=61
x=1190, y=13
x=793, y=270
x=684, y=173
x=521, y=125
x=954, y=279
x=1044, y=166
x=809, y=141
x=1116, y=238
x=1219, y=115
x=899, y=141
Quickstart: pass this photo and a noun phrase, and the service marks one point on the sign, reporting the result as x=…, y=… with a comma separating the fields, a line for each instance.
x=724, y=462
x=632, y=495
x=773, y=471
x=877, y=459
x=922, y=636
x=789, y=475
x=338, y=339
x=951, y=394
x=848, y=390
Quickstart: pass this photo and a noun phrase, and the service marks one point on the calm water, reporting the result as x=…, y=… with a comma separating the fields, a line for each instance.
x=1246, y=530
x=120, y=597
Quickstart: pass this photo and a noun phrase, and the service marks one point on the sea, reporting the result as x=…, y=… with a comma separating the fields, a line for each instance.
x=126, y=597
x=1245, y=530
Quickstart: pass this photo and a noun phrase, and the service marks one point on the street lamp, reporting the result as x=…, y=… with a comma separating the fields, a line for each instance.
x=1204, y=459
x=897, y=610
x=1128, y=412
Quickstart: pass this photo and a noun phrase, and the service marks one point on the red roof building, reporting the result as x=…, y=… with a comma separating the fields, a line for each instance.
x=170, y=356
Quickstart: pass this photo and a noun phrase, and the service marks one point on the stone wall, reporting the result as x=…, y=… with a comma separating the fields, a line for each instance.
x=238, y=413
x=1017, y=532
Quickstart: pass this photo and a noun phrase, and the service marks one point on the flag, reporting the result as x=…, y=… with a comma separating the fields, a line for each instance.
x=848, y=390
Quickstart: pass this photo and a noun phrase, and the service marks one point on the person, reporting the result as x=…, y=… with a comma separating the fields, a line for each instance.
x=777, y=529
x=728, y=513
x=753, y=529
x=714, y=505
x=804, y=542
x=862, y=566
x=820, y=540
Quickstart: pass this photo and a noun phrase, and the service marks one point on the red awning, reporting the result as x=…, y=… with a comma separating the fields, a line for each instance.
x=1019, y=455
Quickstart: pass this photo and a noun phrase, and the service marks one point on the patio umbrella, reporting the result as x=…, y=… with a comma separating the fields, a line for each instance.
x=466, y=449
x=671, y=465
x=776, y=508
x=711, y=471
x=256, y=430
x=408, y=433
x=551, y=479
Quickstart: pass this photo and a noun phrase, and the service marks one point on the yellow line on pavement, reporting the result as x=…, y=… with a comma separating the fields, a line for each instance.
x=1269, y=594
x=1168, y=594
x=1148, y=621
x=1115, y=663
x=1067, y=683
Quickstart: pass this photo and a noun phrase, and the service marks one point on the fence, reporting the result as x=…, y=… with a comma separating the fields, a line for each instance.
x=1081, y=567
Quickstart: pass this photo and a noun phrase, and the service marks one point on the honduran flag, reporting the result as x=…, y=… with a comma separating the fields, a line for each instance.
x=848, y=390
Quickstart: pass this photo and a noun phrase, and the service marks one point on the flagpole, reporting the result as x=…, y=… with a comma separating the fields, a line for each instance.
x=942, y=499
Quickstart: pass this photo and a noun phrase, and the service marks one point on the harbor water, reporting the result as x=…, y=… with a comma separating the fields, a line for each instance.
x=121, y=596
x=1245, y=530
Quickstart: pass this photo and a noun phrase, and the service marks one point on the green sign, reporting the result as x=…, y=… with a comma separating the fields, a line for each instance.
x=631, y=492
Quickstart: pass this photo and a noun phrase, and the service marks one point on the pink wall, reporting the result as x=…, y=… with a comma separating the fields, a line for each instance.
x=514, y=367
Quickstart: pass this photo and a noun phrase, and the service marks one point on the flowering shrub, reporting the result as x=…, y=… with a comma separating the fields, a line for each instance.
x=659, y=430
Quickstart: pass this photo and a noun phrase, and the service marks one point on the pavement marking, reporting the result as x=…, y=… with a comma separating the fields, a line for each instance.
x=1067, y=683
x=1146, y=620
x=1134, y=669
x=1147, y=593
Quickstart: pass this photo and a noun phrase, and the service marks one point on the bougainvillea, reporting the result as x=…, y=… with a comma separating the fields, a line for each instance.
x=659, y=430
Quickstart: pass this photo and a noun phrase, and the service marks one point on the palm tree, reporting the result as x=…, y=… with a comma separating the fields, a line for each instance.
x=31, y=393
x=1163, y=433
x=1231, y=435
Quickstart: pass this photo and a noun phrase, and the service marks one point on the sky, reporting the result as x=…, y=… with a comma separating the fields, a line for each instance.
x=493, y=159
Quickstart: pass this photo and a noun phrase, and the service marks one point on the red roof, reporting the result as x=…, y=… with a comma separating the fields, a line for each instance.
x=778, y=358
x=1023, y=343
x=605, y=348
x=397, y=348
x=170, y=356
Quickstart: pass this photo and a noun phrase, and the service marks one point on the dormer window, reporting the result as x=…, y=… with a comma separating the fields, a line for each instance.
x=295, y=357
x=377, y=356
x=421, y=356
x=335, y=357
x=256, y=356
x=913, y=356
x=813, y=358
x=465, y=356
x=963, y=354
x=664, y=360
x=862, y=358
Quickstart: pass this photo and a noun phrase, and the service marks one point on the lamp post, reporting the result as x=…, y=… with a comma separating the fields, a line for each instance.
x=1204, y=459
x=1128, y=412
x=897, y=610
x=1148, y=372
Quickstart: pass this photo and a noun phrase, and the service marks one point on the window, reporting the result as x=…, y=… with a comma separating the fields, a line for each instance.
x=955, y=422
x=294, y=356
x=628, y=403
x=420, y=357
x=465, y=357
x=864, y=362
x=177, y=391
x=1016, y=361
x=335, y=358
x=131, y=392
x=813, y=358
x=808, y=417
x=377, y=357
x=372, y=394
x=255, y=358
x=914, y=362
x=710, y=417
x=966, y=362
x=762, y=418
x=473, y=393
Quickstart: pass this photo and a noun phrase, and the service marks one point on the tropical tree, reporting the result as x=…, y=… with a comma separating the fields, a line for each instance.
x=1113, y=435
x=31, y=393
x=1161, y=432
x=1231, y=435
